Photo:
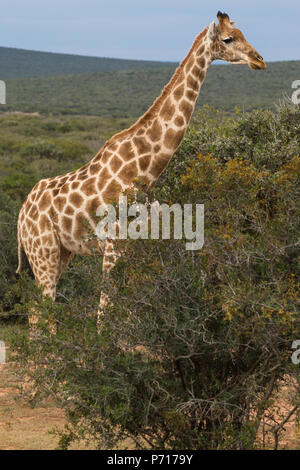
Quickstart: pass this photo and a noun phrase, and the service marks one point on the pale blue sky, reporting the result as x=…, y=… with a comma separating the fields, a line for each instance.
x=144, y=29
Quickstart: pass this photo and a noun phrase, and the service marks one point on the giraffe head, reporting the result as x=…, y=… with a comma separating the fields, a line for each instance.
x=228, y=43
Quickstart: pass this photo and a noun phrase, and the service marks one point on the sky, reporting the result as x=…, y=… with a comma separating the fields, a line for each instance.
x=143, y=29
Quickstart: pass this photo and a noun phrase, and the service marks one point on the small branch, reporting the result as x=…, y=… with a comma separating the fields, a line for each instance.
x=279, y=427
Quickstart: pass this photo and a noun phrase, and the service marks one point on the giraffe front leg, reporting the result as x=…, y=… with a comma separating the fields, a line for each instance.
x=110, y=258
x=33, y=321
x=51, y=321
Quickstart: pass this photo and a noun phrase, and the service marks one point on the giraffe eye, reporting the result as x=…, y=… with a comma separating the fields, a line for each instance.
x=227, y=40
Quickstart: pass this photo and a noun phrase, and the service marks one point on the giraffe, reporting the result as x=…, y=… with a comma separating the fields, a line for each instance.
x=52, y=223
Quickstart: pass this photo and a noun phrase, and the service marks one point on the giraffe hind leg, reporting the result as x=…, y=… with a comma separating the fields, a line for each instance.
x=47, y=268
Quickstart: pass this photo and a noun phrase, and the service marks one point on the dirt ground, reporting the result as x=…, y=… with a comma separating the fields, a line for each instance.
x=25, y=428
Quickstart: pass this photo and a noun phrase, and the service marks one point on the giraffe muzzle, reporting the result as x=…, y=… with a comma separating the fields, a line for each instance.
x=256, y=62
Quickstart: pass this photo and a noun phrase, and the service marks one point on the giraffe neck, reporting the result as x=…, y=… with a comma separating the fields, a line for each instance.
x=171, y=113
x=146, y=148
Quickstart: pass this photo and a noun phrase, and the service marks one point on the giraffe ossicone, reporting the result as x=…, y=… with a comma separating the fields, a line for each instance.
x=53, y=221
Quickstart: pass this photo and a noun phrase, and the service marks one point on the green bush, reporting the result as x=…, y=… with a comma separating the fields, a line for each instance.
x=195, y=345
x=44, y=149
x=74, y=149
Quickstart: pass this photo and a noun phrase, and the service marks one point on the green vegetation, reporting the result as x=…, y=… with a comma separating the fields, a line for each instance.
x=112, y=87
x=196, y=345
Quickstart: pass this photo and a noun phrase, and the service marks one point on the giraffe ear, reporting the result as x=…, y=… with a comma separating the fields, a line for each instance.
x=213, y=30
x=224, y=21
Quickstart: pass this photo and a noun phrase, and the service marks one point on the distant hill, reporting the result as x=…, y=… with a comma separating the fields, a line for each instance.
x=16, y=63
x=128, y=93
x=70, y=84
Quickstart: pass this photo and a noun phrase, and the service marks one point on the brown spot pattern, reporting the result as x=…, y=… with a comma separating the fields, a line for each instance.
x=195, y=71
x=155, y=132
x=159, y=164
x=173, y=138
x=201, y=62
x=115, y=164
x=33, y=213
x=178, y=93
x=45, y=201
x=191, y=95
x=67, y=223
x=104, y=175
x=167, y=110
x=144, y=162
x=105, y=156
x=69, y=210
x=179, y=121
x=76, y=199
x=111, y=192
x=186, y=109
x=79, y=226
x=200, y=50
x=92, y=205
x=74, y=185
x=94, y=168
x=129, y=172
x=45, y=223
x=192, y=83
x=88, y=187
x=189, y=64
x=59, y=202
x=142, y=145
x=126, y=151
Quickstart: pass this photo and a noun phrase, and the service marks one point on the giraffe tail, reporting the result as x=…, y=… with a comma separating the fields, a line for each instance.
x=19, y=251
